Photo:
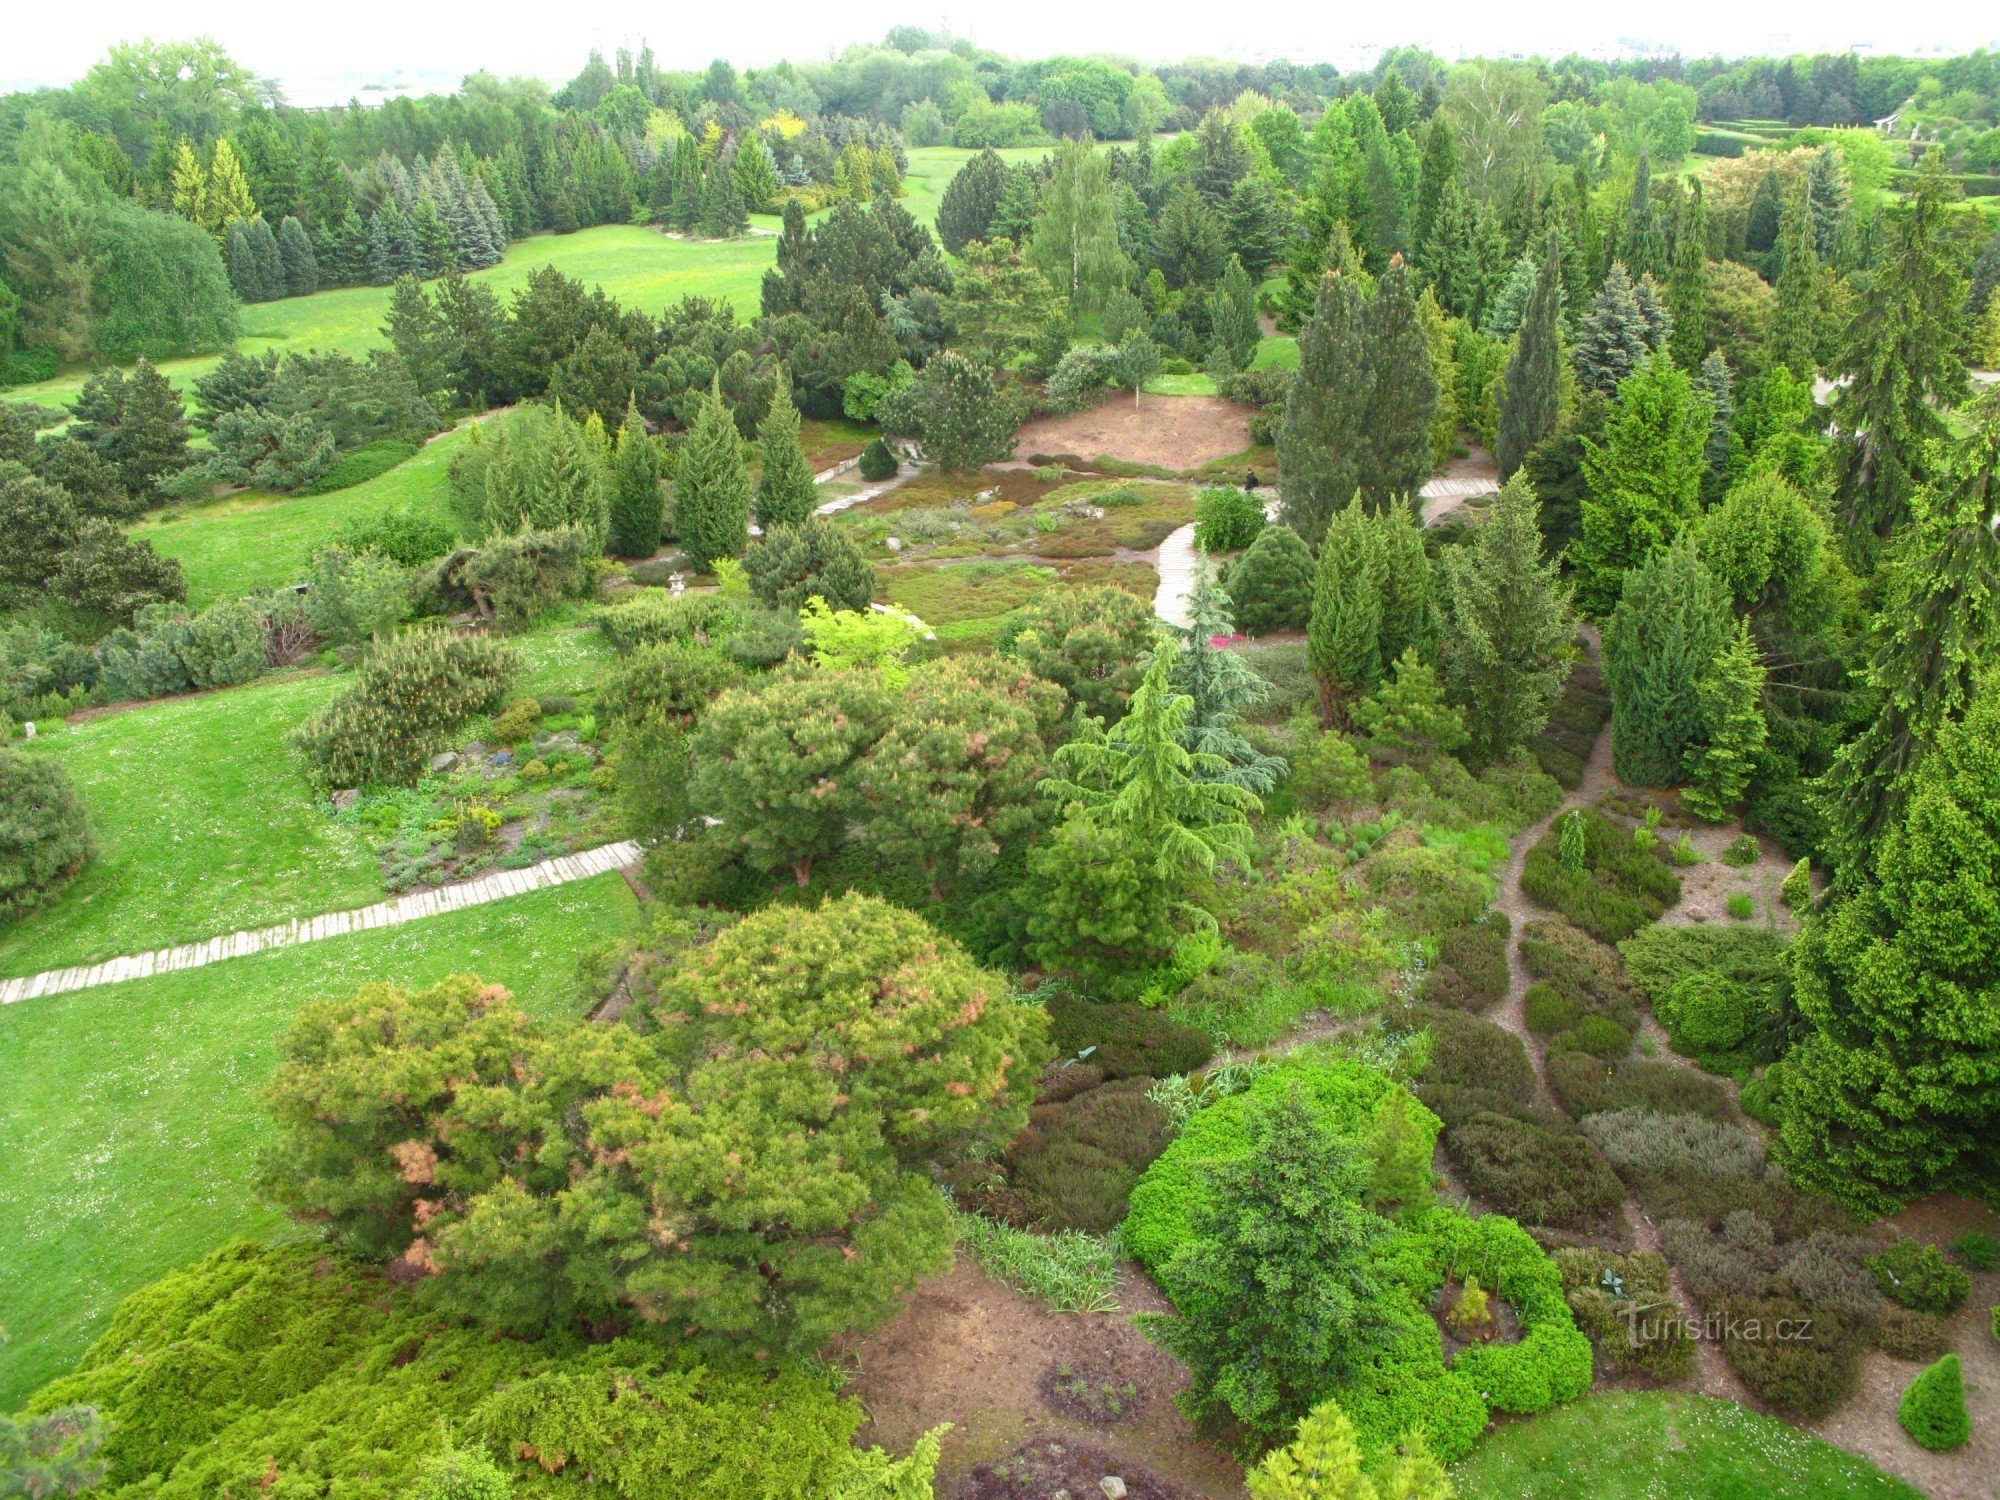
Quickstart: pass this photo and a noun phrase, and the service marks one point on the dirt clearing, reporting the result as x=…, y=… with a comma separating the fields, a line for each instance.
x=1167, y=432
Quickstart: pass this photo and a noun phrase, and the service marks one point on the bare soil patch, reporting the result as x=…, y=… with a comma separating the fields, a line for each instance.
x=1049, y=1467
x=967, y=1350
x=1168, y=432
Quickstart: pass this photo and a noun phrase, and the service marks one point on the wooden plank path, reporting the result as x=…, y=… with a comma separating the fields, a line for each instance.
x=497, y=885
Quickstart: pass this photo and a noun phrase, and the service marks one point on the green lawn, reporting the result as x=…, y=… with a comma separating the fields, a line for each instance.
x=203, y=826
x=258, y=540
x=1636, y=1445
x=130, y=1111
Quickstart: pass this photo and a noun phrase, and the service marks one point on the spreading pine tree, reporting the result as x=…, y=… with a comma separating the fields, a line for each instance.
x=1344, y=636
x=1671, y=623
x=1403, y=395
x=636, y=500
x=1505, y=646
x=785, y=489
x=1611, y=340
x=1321, y=441
x=712, y=487
x=1531, y=397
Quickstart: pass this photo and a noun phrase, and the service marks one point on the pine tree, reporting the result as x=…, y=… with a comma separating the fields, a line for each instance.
x=1611, y=340
x=1219, y=685
x=1642, y=247
x=295, y=253
x=1271, y=585
x=1531, y=398
x=1321, y=442
x=966, y=210
x=711, y=487
x=636, y=500
x=785, y=491
x=418, y=335
x=1233, y=316
x=1508, y=627
x=1732, y=729
x=1403, y=395
x=1901, y=367
x=1645, y=478
x=1671, y=623
x=1344, y=636
x=1795, y=324
x=1935, y=630
x=1687, y=283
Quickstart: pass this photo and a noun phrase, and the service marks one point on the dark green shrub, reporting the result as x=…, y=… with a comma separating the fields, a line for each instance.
x=369, y=461
x=1919, y=1277
x=224, y=645
x=1760, y=1097
x=1620, y=889
x=1902, y=1333
x=400, y=533
x=44, y=836
x=653, y=618
x=1717, y=990
x=1271, y=583
x=1803, y=1374
x=1626, y=1304
x=411, y=693
x=1743, y=850
x=878, y=461
x=1129, y=1041
x=1589, y=972
x=1073, y=1165
x=791, y=564
x=1536, y=1175
x=1227, y=518
x=1598, y=1036
x=1708, y=1013
x=1589, y=1085
x=1471, y=969
x=1932, y=1410
x=1466, y=1052
x=1976, y=1251
x=1549, y=1010
x=1575, y=721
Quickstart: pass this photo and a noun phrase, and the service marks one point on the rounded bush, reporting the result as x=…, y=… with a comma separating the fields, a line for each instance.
x=1271, y=583
x=1707, y=1011
x=878, y=461
x=1549, y=1010
x=791, y=564
x=1932, y=1410
x=1598, y=1035
x=44, y=836
x=1227, y=519
x=1918, y=1276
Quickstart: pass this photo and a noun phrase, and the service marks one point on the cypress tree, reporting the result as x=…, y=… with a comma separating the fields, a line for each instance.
x=1508, y=627
x=1645, y=478
x=1687, y=284
x=785, y=491
x=1321, y=443
x=636, y=500
x=1409, y=597
x=1233, y=318
x=1643, y=247
x=1611, y=340
x=1403, y=395
x=295, y=253
x=1900, y=360
x=711, y=487
x=1671, y=623
x=1344, y=636
x=1531, y=398
x=1718, y=770
x=1795, y=324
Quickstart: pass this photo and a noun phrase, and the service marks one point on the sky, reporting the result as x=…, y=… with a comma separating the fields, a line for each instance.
x=322, y=54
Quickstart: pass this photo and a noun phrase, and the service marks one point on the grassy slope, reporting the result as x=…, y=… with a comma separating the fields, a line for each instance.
x=1632, y=1444
x=130, y=1114
x=257, y=540
x=203, y=826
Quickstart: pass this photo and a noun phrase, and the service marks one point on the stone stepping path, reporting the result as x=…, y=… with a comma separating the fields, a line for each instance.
x=498, y=885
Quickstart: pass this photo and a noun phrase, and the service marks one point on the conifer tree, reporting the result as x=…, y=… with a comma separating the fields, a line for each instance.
x=1645, y=477
x=418, y=335
x=1901, y=367
x=1652, y=307
x=1344, y=636
x=295, y=253
x=1531, y=398
x=756, y=177
x=785, y=491
x=684, y=205
x=1075, y=237
x=1733, y=730
x=1233, y=316
x=1321, y=443
x=1795, y=323
x=1687, y=283
x=245, y=275
x=1508, y=627
x=1671, y=623
x=1219, y=685
x=188, y=187
x=1832, y=201
x=1409, y=592
x=966, y=210
x=1642, y=247
x=1714, y=382
x=1403, y=395
x=711, y=487
x=1611, y=339
x=1438, y=168
x=1271, y=585
x=1985, y=278
x=637, y=503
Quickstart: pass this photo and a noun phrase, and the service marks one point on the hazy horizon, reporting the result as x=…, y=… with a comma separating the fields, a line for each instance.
x=384, y=50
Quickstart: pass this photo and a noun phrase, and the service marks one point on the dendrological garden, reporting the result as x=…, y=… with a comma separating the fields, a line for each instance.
x=927, y=772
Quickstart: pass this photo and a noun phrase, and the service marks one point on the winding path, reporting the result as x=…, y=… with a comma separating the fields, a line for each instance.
x=495, y=886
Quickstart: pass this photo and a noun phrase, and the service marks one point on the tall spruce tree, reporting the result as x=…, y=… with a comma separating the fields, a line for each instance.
x=785, y=490
x=1642, y=246
x=1531, y=397
x=1508, y=627
x=1901, y=367
x=1733, y=730
x=711, y=487
x=1645, y=477
x=1687, y=283
x=1322, y=442
x=1233, y=316
x=1344, y=635
x=295, y=252
x=1671, y=623
x=1933, y=635
x=1611, y=340
x=1403, y=395
x=1795, y=323
x=637, y=502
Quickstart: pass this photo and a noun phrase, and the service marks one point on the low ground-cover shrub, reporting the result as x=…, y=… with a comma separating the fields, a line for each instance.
x=359, y=465
x=1470, y=972
x=44, y=835
x=1538, y=1175
x=1587, y=972
x=1598, y=1036
x=1801, y=1359
x=1590, y=1086
x=1124, y=1040
x=1074, y=1163
x=1620, y=888
x=409, y=696
x=1719, y=991
x=1466, y=1052
x=1919, y=1277
x=403, y=534
x=1642, y=1140
x=1625, y=1303
x=1575, y=721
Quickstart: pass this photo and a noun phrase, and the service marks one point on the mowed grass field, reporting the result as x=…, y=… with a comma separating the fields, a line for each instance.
x=1637, y=1445
x=130, y=1111
x=637, y=264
